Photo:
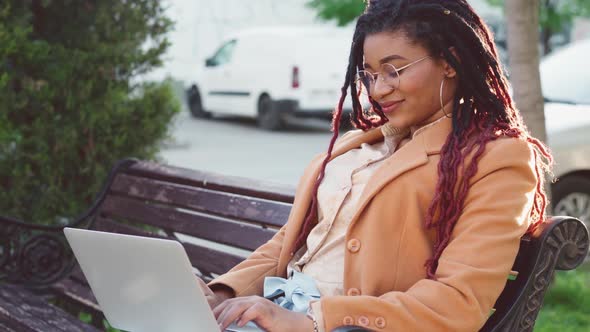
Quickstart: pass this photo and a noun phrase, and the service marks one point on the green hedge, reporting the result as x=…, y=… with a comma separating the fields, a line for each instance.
x=71, y=104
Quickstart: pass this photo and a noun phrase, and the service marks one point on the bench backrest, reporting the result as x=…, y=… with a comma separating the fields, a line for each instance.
x=218, y=220
x=174, y=201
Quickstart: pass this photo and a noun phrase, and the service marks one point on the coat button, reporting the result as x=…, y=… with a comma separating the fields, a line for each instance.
x=363, y=321
x=353, y=292
x=380, y=322
x=354, y=245
x=348, y=320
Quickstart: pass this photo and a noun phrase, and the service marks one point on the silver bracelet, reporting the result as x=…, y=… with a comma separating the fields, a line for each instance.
x=315, y=325
x=309, y=314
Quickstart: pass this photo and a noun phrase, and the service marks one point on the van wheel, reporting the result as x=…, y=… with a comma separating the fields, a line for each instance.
x=572, y=198
x=195, y=105
x=269, y=117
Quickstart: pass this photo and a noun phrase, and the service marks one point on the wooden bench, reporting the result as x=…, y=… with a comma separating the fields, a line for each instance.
x=219, y=220
x=21, y=310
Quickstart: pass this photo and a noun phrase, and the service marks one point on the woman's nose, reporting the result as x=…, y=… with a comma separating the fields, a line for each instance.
x=381, y=89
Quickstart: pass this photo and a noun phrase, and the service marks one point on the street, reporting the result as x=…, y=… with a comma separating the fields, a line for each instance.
x=236, y=146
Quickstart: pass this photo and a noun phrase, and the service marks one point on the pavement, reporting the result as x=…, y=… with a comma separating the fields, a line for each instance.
x=236, y=146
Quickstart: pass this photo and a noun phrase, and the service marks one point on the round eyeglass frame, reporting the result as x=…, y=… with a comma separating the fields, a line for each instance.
x=392, y=82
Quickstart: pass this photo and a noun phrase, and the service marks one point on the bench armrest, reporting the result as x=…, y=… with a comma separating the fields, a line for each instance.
x=560, y=243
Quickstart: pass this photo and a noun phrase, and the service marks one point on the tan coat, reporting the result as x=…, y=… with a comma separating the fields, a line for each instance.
x=387, y=244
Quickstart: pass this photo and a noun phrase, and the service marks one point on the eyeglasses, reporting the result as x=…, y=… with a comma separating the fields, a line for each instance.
x=388, y=73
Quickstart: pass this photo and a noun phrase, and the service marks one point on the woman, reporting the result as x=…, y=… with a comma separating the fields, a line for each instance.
x=415, y=222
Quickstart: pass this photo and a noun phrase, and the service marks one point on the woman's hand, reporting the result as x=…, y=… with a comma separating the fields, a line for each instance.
x=217, y=296
x=266, y=314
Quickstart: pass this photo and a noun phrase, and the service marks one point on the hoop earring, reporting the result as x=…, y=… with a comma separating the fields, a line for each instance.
x=442, y=105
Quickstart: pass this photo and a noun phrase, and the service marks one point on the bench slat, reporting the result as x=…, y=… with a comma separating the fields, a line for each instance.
x=78, y=275
x=206, y=260
x=234, y=184
x=220, y=230
x=78, y=292
x=225, y=204
x=23, y=311
x=5, y=328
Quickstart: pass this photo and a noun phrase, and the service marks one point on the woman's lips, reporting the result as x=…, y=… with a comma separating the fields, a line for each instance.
x=390, y=106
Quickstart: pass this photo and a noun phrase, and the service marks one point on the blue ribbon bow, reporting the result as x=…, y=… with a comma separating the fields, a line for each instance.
x=294, y=293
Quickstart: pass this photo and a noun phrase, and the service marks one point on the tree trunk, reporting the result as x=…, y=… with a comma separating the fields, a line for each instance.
x=522, y=17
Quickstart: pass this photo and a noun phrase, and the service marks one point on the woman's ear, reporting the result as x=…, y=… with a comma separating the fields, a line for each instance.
x=449, y=71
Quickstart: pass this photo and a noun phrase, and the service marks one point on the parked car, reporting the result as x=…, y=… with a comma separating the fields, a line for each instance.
x=565, y=78
x=272, y=74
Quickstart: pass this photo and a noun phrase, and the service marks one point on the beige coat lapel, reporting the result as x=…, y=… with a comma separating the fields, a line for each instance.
x=412, y=155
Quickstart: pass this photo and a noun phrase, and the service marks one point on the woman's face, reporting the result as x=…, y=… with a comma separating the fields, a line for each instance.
x=415, y=101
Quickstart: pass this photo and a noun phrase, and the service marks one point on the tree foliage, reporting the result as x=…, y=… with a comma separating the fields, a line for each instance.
x=555, y=16
x=557, y=13
x=70, y=104
x=343, y=11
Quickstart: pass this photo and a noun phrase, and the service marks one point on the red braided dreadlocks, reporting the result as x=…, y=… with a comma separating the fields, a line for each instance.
x=483, y=110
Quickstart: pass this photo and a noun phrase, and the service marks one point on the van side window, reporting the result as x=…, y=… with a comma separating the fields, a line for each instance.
x=224, y=53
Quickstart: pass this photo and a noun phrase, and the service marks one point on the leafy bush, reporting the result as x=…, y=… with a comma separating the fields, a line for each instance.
x=70, y=101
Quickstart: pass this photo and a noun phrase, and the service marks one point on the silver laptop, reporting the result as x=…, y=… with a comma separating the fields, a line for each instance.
x=143, y=284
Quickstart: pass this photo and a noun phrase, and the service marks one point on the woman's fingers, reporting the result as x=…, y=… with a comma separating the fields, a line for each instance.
x=266, y=314
x=232, y=312
x=251, y=314
x=242, y=310
x=221, y=307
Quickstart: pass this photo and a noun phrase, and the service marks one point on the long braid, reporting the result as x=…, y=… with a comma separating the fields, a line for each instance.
x=483, y=110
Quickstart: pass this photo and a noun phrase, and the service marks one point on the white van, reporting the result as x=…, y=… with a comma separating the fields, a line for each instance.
x=275, y=73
